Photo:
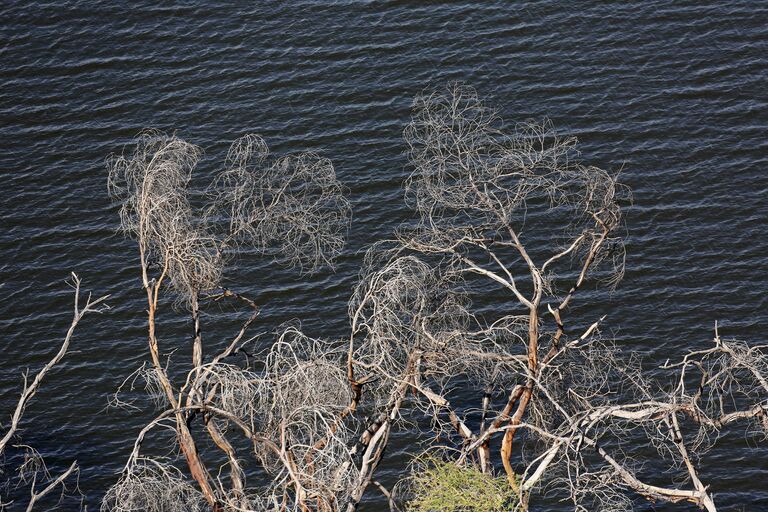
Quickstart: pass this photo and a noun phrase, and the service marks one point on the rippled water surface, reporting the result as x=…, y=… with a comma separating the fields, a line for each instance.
x=672, y=93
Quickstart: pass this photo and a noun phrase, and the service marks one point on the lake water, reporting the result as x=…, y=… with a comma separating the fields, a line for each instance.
x=673, y=93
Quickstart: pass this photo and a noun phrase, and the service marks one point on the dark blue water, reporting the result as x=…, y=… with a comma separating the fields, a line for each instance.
x=672, y=93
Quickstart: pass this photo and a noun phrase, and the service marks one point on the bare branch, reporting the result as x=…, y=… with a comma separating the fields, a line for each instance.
x=294, y=204
x=30, y=388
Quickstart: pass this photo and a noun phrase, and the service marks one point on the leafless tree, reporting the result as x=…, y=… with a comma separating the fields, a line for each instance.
x=291, y=208
x=33, y=473
x=570, y=399
x=556, y=402
x=473, y=185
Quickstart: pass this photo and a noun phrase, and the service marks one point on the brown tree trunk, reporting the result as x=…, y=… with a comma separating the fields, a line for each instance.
x=186, y=441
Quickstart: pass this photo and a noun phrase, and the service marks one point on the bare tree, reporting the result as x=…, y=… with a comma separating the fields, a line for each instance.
x=556, y=402
x=33, y=473
x=473, y=185
x=291, y=208
x=560, y=400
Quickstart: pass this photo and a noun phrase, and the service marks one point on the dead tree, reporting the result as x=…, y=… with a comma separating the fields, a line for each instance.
x=472, y=185
x=548, y=388
x=555, y=401
x=33, y=473
x=290, y=207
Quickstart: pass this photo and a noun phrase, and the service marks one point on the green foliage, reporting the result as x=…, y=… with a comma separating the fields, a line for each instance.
x=444, y=487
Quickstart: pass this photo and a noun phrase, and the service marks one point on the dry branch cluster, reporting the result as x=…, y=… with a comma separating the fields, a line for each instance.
x=556, y=402
x=305, y=425
x=292, y=208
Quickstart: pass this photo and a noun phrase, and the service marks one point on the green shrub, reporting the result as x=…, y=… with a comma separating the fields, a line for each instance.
x=441, y=486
